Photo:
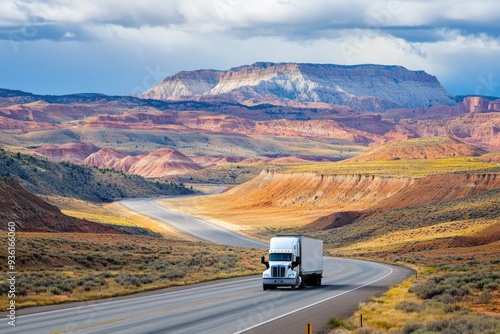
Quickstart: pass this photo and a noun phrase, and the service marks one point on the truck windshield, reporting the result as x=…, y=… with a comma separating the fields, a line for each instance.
x=280, y=257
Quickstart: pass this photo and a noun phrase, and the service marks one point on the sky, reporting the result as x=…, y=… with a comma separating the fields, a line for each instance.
x=122, y=47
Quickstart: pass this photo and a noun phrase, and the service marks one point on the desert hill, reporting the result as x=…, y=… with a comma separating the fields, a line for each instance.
x=360, y=87
x=74, y=152
x=32, y=214
x=109, y=158
x=42, y=176
x=489, y=157
x=164, y=162
x=158, y=163
x=420, y=148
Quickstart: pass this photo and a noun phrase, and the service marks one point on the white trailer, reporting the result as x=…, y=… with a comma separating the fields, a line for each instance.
x=295, y=261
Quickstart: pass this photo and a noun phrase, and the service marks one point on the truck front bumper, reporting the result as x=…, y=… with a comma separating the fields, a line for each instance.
x=279, y=281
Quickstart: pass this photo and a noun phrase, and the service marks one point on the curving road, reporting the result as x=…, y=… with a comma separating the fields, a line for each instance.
x=195, y=227
x=225, y=306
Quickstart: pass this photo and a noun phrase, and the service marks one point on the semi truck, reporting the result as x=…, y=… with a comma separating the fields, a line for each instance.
x=295, y=261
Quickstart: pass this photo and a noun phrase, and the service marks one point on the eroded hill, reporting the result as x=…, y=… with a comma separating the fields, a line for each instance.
x=32, y=214
x=42, y=176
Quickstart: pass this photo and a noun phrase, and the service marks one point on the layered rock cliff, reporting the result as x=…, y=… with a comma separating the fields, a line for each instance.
x=361, y=87
x=356, y=192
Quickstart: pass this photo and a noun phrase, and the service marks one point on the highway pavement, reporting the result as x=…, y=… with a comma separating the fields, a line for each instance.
x=225, y=306
x=193, y=226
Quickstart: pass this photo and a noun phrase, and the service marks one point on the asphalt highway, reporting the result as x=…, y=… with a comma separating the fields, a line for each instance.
x=225, y=306
x=193, y=226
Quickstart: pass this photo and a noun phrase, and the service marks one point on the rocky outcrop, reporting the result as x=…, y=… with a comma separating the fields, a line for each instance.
x=361, y=87
x=494, y=105
x=479, y=129
x=164, y=162
x=421, y=148
x=475, y=104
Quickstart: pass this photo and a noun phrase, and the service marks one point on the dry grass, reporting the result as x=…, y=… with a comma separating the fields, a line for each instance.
x=61, y=267
x=399, y=168
x=113, y=213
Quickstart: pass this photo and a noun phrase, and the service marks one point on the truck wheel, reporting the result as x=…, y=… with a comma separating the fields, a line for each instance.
x=264, y=287
x=319, y=281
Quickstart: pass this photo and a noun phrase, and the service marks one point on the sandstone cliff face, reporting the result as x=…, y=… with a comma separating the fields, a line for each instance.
x=303, y=191
x=494, y=105
x=475, y=104
x=361, y=87
x=480, y=129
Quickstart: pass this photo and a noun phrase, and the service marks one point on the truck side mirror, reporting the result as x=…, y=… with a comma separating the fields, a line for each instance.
x=296, y=262
x=263, y=261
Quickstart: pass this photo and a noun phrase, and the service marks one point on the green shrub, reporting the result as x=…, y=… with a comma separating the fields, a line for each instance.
x=410, y=307
x=411, y=327
x=336, y=322
x=469, y=324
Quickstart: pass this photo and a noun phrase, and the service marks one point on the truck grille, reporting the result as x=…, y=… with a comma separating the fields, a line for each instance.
x=278, y=271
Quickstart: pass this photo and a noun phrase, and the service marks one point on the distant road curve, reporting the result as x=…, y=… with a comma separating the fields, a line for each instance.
x=237, y=305
x=193, y=226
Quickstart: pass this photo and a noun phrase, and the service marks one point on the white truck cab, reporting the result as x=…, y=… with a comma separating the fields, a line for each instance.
x=294, y=260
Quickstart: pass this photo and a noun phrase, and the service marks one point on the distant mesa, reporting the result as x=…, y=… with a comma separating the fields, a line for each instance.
x=360, y=87
x=420, y=148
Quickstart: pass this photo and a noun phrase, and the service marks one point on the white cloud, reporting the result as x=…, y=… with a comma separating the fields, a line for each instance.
x=445, y=38
x=69, y=34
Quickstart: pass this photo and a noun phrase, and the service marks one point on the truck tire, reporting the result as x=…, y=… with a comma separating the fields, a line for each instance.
x=318, y=280
x=264, y=287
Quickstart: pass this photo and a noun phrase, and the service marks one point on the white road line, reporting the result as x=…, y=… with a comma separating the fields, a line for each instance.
x=316, y=303
x=132, y=298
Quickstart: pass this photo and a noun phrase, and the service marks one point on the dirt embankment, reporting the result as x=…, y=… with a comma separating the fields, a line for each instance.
x=304, y=197
x=32, y=214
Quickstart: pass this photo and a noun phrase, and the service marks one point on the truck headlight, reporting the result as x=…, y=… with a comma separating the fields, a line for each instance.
x=266, y=275
x=291, y=275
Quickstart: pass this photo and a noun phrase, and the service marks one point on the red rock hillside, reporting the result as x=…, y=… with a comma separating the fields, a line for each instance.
x=163, y=162
x=72, y=152
x=32, y=214
x=420, y=148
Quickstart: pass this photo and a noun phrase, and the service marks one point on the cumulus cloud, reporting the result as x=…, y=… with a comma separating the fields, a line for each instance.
x=445, y=38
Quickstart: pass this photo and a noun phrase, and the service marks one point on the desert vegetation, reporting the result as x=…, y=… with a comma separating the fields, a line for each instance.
x=460, y=296
x=415, y=168
x=41, y=176
x=57, y=268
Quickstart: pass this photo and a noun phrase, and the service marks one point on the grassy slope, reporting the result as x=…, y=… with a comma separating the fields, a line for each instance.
x=114, y=214
x=41, y=176
x=399, y=168
x=69, y=267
